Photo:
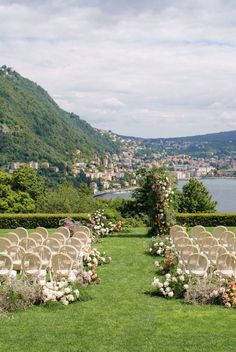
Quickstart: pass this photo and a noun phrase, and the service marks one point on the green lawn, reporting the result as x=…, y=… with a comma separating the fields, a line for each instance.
x=121, y=316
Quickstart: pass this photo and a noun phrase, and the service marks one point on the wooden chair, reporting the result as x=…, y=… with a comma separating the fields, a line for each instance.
x=21, y=232
x=226, y=265
x=185, y=252
x=232, y=246
x=32, y=267
x=61, y=266
x=16, y=253
x=6, y=267
x=64, y=230
x=5, y=243
x=218, y=230
x=60, y=237
x=205, y=244
x=176, y=228
x=53, y=244
x=197, y=264
x=75, y=242
x=196, y=230
x=37, y=237
x=81, y=228
x=225, y=237
x=13, y=237
x=45, y=254
x=183, y=242
x=74, y=254
x=28, y=244
x=214, y=252
x=42, y=231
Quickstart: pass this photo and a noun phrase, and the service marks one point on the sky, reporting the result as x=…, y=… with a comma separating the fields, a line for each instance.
x=154, y=68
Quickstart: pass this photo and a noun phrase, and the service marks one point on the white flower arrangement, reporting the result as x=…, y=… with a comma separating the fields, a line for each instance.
x=171, y=285
x=60, y=291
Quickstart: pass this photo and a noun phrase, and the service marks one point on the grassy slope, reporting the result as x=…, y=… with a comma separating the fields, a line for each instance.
x=121, y=316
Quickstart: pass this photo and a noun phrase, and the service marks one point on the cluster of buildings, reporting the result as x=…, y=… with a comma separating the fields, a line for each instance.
x=33, y=164
x=119, y=171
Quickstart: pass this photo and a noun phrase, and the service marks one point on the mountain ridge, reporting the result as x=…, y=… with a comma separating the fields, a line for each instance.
x=34, y=127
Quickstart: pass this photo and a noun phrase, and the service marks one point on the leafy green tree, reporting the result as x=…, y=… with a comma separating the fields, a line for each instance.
x=67, y=199
x=195, y=198
x=27, y=180
x=5, y=178
x=15, y=202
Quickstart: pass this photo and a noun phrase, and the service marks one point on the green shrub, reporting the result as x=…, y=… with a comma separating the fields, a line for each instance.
x=207, y=219
x=31, y=221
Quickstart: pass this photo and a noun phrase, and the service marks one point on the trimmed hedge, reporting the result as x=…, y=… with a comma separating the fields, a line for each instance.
x=207, y=219
x=31, y=221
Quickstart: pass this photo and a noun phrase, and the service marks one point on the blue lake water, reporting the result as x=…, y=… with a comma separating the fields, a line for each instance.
x=223, y=190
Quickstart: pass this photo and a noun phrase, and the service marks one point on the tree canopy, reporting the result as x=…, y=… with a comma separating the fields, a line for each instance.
x=195, y=198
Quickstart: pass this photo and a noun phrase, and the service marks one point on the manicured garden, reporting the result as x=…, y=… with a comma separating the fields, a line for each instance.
x=120, y=314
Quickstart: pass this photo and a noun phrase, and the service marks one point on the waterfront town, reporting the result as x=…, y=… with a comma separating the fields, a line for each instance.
x=119, y=171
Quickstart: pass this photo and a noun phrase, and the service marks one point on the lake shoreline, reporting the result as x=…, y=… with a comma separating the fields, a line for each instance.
x=222, y=189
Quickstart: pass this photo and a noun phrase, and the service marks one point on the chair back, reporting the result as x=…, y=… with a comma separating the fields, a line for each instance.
x=42, y=231
x=31, y=264
x=60, y=237
x=44, y=253
x=21, y=232
x=214, y=252
x=176, y=228
x=197, y=229
x=232, y=246
x=197, y=264
x=28, y=244
x=16, y=252
x=206, y=243
x=61, y=264
x=13, y=237
x=5, y=262
x=5, y=243
x=37, y=237
x=225, y=237
x=83, y=237
x=218, y=230
x=70, y=250
x=64, y=230
x=179, y=234
x=185, y=252
x=82, y=228
x=53, y=244
x=226, y=262
x=75, y=242
x=182, y=242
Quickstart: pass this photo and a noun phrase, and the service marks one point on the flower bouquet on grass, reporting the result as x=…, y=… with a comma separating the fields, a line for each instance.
x=161, y=247
x=171, y=285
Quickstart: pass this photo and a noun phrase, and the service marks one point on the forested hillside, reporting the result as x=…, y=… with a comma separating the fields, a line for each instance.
x=34, y=127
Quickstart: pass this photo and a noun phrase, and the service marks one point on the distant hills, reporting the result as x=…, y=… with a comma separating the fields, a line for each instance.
x=34, y=127
x=222, y=143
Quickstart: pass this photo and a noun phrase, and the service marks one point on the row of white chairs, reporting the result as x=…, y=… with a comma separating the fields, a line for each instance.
x=225, y=238
x=33, y=267
x=202, y=250
x=197, y=264
x=21, y=232
x=197, y=230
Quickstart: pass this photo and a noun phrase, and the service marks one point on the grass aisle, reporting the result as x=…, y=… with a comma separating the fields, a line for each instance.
x=121, y=316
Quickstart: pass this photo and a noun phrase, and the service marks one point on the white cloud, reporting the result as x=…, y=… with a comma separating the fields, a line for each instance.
x=155, y=68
